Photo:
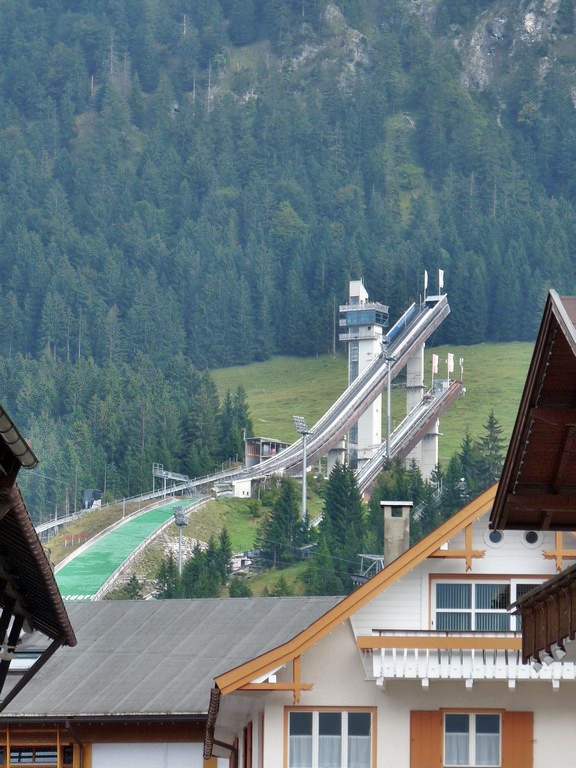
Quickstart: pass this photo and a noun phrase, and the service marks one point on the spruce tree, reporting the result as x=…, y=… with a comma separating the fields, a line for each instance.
x=239, y=588
x=168, y=582
x=342, y=523
x=281, y=533
x=320, y=577
x=491, y=450
x=224, y=555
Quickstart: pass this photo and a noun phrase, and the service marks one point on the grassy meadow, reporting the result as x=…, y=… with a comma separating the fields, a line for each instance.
x=284, y=386
x=280, y=388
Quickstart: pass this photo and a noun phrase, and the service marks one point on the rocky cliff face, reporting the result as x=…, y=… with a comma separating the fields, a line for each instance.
x=494, y=43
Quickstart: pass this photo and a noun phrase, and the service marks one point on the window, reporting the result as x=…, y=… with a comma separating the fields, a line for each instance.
x=435, y=738
x=465, y=606
x=330, y=739
x=41, y=757
x=471, y=739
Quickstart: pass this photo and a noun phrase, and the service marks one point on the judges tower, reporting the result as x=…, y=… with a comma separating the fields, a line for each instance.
x=361, y=326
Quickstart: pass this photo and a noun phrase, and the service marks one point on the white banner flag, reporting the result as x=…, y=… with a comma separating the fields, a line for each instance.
x=440, y=280
x=434, y=363
x=425, y=279
x=450, y=362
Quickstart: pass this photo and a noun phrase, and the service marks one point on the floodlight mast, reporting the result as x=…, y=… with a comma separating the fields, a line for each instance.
x=303, y=431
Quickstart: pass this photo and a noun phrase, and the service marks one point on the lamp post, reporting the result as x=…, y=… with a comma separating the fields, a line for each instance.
x=181, y=522
x=303, y=431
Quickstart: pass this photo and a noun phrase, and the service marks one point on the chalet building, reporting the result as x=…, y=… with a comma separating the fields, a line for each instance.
x=419, y=668
x=538, y=485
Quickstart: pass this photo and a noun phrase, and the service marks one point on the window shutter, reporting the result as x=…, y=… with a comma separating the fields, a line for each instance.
x=425, y=739
x=517, y=739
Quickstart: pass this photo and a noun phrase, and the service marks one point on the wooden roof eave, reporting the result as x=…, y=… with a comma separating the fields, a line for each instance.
x=33, y=576
x=554, y=319
x=15, y=443
x=235, y=678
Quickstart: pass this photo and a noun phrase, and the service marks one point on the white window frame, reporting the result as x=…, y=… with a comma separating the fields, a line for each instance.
x=515, y=621
x=343, y=712
x=472, y=763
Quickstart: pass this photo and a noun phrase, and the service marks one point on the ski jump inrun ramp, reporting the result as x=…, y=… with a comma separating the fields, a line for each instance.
x=75, y=576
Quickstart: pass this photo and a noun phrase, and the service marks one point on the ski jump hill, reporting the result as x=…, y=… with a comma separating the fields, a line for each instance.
x=95, y=567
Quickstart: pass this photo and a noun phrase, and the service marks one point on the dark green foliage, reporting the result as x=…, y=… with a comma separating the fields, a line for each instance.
x=204, y=574
x=235, y=425
x=178, y=182
x=282, y=532
x=130, y=591
x=320, y=576
x=223, y=560
x=168, y=583
x=341, y=536
x=342, y=525
x=201, y=573
x=280, y=589
x=491, y=449
x=239, y=588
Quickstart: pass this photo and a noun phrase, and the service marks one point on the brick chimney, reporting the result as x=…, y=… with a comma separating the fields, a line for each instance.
x=396, y=528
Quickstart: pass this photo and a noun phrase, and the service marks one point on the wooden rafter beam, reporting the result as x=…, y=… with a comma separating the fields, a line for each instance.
x=296, y=685
x=277, y=687
x=564, y=470
x=556, y=417
x=468, y=554
x=462, y=554
x=542, y=502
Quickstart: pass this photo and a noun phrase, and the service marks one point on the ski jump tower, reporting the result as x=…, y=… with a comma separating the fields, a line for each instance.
x=362, y=324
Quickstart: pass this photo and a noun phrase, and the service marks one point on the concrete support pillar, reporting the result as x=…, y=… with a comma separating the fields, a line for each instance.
x=336, y=454
x=414, y=391
x=429, y=451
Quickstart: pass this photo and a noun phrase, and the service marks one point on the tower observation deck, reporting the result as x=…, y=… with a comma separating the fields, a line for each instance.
x=362, y=324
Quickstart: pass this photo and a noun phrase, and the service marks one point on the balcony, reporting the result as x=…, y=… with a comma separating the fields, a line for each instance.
x=468, y=656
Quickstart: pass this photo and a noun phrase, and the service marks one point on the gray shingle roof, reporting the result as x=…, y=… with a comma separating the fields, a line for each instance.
x=159, y=657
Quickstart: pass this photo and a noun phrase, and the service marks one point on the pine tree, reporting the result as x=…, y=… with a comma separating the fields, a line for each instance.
x=168, y=582
x=491, y=451
x=239, y=588
x=281, y=534
x=342, y=523
x=320, y=577
x=200, y=577
x=133, y=589
x=281, y=588
x=224, y=555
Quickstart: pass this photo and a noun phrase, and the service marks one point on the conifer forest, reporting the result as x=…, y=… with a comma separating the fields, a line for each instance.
x=187, y=185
